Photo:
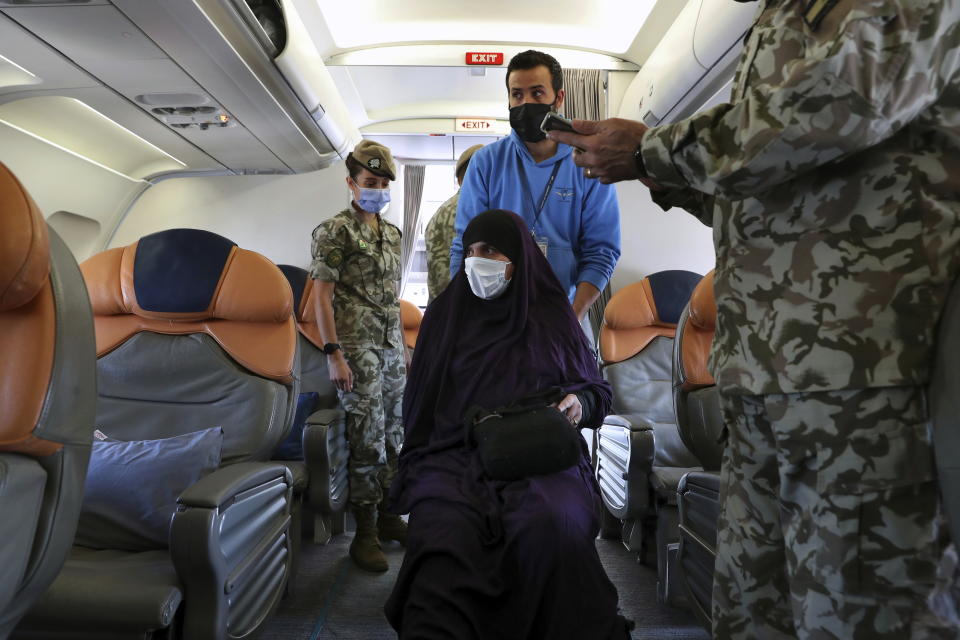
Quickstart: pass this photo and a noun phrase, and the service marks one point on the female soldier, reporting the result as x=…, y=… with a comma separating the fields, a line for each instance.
x=356, y=265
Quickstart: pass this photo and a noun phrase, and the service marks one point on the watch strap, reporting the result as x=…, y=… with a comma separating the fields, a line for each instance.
x=638, y=160
x=330, y=347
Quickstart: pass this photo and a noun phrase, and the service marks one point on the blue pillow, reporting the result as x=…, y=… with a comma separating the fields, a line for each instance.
x=292, y=447
x=132, y=488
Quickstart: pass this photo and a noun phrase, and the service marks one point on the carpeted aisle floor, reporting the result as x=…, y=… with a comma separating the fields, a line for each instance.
x=332, y=599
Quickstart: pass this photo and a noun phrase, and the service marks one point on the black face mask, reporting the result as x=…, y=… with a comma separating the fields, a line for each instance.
x=526, y=118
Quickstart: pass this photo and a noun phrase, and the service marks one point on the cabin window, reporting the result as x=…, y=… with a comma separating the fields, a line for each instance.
x=439, y=184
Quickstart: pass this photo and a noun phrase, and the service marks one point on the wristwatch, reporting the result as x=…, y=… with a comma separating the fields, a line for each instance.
x=638, y=160
x=330, y=347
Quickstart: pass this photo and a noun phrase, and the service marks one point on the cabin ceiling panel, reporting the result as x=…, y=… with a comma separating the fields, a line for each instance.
x=417, y=147
x=379, y=94
x=88, y=34
x=25, y=50
x=428, y=148
x=422, y=126
x=122, y=112
x=454, y=55
x=93, y=135
x=600, y=25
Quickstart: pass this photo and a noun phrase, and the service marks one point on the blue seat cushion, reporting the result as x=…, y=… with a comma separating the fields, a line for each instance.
x=292, y=447
x=132, y=488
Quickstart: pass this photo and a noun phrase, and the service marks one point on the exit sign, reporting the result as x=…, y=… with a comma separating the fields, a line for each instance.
x=474, y=125
x=478, y=57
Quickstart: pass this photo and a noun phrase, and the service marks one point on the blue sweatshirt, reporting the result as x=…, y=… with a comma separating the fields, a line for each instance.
x=580, y=220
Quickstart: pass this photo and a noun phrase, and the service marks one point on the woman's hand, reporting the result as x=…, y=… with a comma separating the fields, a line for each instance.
x=340, y=373
x=571, y=408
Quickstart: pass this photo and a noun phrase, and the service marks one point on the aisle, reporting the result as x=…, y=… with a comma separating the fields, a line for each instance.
x=335, y=600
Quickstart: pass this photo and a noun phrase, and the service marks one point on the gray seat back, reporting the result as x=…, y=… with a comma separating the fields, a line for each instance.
x=201, y=336
x=47, y=391
x=636, y=346
x=696, y=402
x=314, y=374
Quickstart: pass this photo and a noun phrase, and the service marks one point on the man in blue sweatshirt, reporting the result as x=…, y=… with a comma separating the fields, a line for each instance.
x=575, y=221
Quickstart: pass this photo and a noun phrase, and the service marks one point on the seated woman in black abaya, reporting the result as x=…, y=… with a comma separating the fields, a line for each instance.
x=489, y=559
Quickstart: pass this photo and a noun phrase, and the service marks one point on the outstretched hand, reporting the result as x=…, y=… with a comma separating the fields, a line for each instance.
x=605, y=148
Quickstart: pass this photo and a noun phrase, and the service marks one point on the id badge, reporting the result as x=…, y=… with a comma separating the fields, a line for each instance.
x=542, y=242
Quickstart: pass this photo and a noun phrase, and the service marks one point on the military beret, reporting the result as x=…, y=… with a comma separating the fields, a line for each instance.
x=465, y=157
x=375, y=157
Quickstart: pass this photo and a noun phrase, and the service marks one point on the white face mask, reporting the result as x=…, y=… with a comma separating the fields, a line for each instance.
x=488, y=278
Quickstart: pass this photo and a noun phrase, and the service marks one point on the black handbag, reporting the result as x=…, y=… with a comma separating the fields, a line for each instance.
x=528, y=438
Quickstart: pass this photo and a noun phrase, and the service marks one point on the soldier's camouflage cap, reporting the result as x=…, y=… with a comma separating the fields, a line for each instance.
x=465, y=156
x=375, y=157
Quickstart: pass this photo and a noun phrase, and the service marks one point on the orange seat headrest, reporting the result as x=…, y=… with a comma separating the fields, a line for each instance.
x=410, y=317
x=24, y=244
x=183, y=281
x=698, y=336
x=703, y=306
x=642, y=311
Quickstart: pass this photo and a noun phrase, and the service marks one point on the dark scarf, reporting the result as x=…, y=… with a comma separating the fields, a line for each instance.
x=490, y=353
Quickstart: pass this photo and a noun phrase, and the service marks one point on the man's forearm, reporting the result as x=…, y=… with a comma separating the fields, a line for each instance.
x=586, y=295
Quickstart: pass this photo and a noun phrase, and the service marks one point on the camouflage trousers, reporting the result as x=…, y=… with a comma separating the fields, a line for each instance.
x=829, y=524
x=374, y=426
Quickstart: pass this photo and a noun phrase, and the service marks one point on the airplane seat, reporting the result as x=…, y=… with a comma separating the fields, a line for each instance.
x=700, y=421
x=48, y=395
x=640, y=455
x=324, y=442
x=194, y=336
x=410, y=318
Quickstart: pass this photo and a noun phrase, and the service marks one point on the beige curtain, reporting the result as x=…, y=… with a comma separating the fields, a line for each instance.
x=586, y=99
x=586, y=91
x=412, y=194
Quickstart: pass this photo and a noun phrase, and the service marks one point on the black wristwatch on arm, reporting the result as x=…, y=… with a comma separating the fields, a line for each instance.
x=638, y=160
x=330, y=348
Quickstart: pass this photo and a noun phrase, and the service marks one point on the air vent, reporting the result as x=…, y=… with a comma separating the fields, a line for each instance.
x=183, y=111
x=186, y=110
x=172, y=99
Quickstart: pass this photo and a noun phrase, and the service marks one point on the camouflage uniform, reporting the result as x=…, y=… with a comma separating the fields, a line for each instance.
x=365, y=266
x=439, y=236
x=831, y=181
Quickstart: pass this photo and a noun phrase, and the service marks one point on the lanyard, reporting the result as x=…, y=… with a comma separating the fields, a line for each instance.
x=546, y=192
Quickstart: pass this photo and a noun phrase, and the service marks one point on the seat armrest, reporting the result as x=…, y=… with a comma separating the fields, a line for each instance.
x=632, y=422
x=624, y=461
x=218, y=489
x=325, y=451
x=230, y=542
x=326, y=416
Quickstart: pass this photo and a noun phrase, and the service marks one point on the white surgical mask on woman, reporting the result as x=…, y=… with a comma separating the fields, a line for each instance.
x=487, y=278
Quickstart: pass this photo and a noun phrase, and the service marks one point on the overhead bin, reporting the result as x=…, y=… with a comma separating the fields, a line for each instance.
x=303, y=67
x=196, y=67
x=694, y=60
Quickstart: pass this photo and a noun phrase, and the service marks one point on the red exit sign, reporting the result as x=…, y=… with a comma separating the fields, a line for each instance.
x=479, y=57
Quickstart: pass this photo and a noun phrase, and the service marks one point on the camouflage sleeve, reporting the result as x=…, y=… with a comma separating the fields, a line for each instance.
x=690, y=200
x=327, y=251
x=438, y=237
x=847, y=85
